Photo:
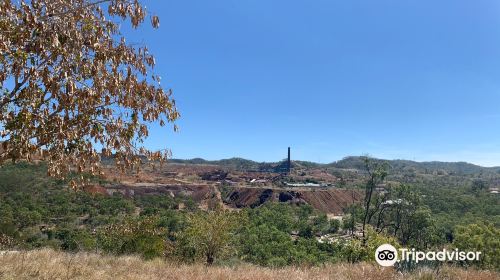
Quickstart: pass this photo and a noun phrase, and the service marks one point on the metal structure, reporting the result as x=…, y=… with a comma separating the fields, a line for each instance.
x=289, y=164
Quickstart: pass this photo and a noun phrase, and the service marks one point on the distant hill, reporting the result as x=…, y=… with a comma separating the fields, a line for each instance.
x=249, y=165
x=351, y=162
x=233, y=163
x=459, y=168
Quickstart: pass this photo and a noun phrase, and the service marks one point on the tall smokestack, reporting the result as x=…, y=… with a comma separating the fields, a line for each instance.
x=289, y=165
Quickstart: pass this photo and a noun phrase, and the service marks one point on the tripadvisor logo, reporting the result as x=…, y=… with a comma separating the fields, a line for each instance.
x=387, y=255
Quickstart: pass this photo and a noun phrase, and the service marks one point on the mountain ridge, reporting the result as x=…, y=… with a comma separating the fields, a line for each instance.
x=349, y=162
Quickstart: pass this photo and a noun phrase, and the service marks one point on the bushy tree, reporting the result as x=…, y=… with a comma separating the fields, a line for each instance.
x=355, y=250
x=334, y=226
x=210, y=234
x=478, y=186
x=75, y=240
x=69, y=80
x=279, y=215
x=142, y=235
x=483, y=237
x=320, y=224
x=265, y=244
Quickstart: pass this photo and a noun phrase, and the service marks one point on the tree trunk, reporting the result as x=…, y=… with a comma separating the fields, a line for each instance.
x=210, y=259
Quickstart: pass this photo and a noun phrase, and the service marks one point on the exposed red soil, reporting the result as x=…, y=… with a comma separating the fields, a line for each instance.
x=94, y=189
x=332, y=201
x=247, y=189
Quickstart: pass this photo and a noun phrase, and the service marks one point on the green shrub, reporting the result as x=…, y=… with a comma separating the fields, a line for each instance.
x=141, y=236
x=483, y=237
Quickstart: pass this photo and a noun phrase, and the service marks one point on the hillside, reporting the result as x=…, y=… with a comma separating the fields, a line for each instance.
x=460, y=168
x=351, y=171
x=280, y=217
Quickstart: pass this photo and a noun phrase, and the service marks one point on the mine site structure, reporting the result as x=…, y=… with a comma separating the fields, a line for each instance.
x=289, y=164
x=285, y=167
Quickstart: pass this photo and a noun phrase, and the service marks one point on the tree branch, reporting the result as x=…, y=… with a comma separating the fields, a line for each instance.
x=73, y=10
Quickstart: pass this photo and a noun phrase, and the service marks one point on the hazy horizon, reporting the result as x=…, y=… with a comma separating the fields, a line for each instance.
x=332, y=161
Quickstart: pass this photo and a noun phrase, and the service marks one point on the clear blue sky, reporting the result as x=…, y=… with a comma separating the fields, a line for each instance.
x=417, y=80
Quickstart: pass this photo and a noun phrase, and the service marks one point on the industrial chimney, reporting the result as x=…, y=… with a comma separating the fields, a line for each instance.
x=289, y=165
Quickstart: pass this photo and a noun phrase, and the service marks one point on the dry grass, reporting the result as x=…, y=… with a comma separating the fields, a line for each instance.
x=49, y=264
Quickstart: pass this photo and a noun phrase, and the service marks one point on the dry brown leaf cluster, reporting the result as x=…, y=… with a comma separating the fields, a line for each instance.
x=69, y=83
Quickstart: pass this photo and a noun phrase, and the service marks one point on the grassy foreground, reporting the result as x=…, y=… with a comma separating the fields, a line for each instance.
x=49, y=264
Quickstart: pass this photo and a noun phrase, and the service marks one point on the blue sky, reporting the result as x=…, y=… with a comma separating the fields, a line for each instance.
x=417, y=80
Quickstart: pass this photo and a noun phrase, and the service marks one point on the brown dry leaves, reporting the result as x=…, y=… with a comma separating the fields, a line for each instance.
x=69, y=83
